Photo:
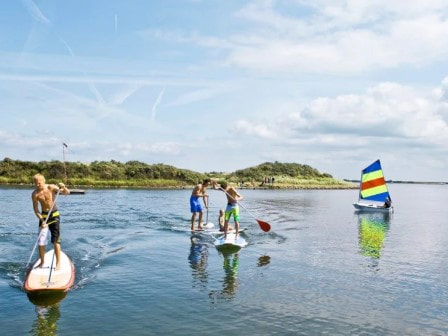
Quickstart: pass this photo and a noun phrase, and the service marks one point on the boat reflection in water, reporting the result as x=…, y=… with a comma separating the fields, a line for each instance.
x=47, y=312
x=230, y=280
x=198, y=259
x=373, y=227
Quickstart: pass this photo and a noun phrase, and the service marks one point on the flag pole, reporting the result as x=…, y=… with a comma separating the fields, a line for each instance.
x=63, y=160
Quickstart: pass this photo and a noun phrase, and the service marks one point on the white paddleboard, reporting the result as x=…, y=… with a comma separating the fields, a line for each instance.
x=206, y=230
x=217, y=232
x=230, y=241
x=39, y=279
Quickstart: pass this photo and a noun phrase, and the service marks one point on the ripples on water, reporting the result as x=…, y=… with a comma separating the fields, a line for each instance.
x=323, y=269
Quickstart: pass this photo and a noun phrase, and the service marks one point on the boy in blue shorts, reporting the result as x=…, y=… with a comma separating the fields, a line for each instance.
x=195, y=204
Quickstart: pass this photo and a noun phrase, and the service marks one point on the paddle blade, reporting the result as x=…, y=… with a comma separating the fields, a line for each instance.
x=266, y=227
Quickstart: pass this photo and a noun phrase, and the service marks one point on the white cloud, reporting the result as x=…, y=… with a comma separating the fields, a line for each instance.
x=339, y=37
x=387, y=110
x=128, y=149
x=48, y=148
x=14, y=140
x=249, y=128
x=412, y=42
x=195, y=96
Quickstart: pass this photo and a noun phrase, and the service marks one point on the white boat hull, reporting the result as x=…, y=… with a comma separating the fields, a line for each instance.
x=372, y=207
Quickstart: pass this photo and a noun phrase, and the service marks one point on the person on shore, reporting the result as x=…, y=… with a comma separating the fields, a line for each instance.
x=44, y=194
x=232, y=208
x=195, y=205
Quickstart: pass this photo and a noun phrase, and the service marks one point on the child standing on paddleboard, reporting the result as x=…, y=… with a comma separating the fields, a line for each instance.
x=232, y=208
x=44, y=194
x=195, y=205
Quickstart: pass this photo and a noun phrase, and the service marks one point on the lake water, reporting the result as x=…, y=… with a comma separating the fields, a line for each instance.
x=323, y=269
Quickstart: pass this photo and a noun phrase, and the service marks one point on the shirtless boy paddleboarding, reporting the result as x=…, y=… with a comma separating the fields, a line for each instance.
x=44, y=194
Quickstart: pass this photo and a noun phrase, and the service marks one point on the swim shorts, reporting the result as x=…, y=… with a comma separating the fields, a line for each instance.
x=195, y=205
x=232, y=209
x=53, y=226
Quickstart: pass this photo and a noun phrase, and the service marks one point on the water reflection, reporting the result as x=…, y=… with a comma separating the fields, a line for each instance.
x=230, y=281
x=263, y=260
x=47, y=313
x=198, y=259
x=372, y=233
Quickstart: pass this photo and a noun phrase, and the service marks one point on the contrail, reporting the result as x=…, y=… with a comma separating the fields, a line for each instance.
x=40, y=17
x=92, y=87
x=119, y=97
x=35, y=12
x=67, y=47
x=154, y=107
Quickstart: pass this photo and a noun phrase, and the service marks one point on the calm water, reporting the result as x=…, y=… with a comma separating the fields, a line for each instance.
x=323, y=269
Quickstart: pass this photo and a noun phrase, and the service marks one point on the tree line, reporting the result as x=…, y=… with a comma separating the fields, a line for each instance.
x=77, y=173
x=280, y=169
x=114, y=173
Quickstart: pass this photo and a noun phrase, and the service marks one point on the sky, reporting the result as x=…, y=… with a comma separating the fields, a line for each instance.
x=224, y=85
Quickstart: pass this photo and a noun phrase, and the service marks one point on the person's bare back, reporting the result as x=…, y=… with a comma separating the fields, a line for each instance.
x=232, y=195
x=199, y=190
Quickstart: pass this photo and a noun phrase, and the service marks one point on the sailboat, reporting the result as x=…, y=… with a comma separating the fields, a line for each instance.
x=373, y=193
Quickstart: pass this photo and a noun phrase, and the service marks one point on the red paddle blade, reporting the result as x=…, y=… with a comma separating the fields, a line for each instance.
x=266, y=227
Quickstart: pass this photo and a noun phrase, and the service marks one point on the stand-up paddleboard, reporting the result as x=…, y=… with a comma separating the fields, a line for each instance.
x=218, y=232
x=230, y=241
x=47, y=279
x=205, y=230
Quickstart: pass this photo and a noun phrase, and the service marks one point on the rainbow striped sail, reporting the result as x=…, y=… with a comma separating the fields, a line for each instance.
x=373, y=185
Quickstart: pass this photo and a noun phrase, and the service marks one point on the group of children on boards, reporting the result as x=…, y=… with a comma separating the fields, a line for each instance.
x=232, y=208
x=49, y=217
x=44, y=194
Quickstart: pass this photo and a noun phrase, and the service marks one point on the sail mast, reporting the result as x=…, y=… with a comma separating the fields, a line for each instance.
x=63, y=160
x=360, y=187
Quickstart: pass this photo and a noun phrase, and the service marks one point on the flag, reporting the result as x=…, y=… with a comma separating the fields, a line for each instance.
x=65, y=145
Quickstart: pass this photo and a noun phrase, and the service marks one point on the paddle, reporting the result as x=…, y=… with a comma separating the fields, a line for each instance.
x=265, y=226
x=207, y=224
x=45, y=223
x=206, y=220
x=51, y=269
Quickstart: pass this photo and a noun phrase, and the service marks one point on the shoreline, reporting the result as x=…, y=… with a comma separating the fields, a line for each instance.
x=177, y=187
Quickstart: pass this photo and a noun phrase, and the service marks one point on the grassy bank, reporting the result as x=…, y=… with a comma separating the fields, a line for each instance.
x=281, y=183
x=135, y=174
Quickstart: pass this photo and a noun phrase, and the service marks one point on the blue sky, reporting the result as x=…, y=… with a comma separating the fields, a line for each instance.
x=224, y=85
